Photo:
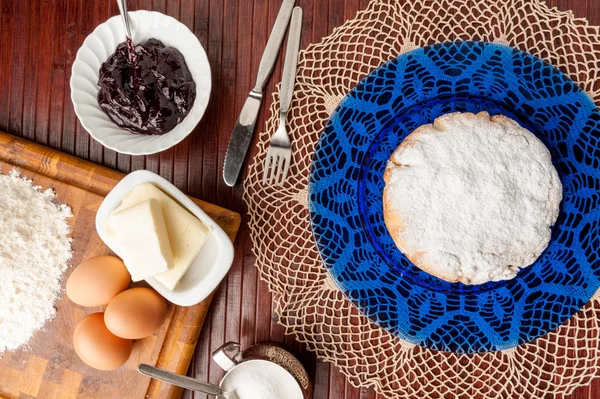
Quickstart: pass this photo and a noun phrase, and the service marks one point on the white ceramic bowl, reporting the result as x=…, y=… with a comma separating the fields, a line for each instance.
x=212, y=263
x=96, y=49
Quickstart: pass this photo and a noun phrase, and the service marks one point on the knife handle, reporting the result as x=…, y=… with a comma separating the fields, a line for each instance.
x=269, y=56
x=288, y=80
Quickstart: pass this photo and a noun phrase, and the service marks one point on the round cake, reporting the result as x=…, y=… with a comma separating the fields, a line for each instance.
x=471, y=198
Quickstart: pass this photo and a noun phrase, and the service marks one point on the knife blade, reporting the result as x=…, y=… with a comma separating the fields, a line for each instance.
x=244, y=128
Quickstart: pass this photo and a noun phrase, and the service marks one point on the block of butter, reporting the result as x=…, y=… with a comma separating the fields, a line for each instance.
x=187, y=234
x=139, y=233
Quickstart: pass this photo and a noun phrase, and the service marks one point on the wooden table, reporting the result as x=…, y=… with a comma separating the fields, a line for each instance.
x=38, y=42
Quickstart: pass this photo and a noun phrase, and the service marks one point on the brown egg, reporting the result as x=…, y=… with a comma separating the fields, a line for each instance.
x=97, y=346
x=97, y=280
x=135, y=313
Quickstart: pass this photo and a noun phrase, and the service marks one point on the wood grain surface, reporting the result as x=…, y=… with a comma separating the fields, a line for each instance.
x=39, y=39
x=51, y=369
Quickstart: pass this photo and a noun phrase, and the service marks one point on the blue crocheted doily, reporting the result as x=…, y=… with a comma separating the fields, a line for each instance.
x=346, y=186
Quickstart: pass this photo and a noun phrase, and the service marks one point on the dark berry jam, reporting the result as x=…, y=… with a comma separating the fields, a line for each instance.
x=149, y=93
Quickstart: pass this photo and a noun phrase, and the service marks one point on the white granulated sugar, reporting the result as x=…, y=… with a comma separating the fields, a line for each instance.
x=261, y=379
x=34, y=252
x=471, y=198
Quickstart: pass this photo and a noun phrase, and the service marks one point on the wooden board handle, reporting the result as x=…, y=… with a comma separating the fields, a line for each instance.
x=57, y=165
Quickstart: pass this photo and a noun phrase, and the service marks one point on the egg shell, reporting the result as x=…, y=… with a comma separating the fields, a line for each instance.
x=97, y=346
x=135, y=313
x=97, y=280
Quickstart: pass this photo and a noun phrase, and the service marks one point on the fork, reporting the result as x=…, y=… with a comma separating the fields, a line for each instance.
x=279, y=154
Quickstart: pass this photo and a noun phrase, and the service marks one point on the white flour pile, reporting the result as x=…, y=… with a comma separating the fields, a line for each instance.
x=261, y=379
x=34, y=252
x=471, y=198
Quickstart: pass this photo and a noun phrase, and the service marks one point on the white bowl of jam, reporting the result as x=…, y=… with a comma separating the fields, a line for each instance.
x=148, y=124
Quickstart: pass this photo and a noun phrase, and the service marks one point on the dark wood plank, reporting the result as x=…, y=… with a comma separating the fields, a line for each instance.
x=30, y=84
x=262, y=28
x=72, y=44
x=200, y=28
x=337, y=383
x=246, y=272
x=351, y=392
x=351, y=8
x=200, y=11
x=96, y=150
x=57, y=75
x=227, y=88
x=84, y=16
x=238, y=25
x=182, y=151
x=321, y=380
x=42, y=120
x=18, y=71
x=7, y=11
x=210, y=171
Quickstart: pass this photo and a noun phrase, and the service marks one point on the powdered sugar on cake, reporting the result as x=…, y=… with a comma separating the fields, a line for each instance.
x=471, y=198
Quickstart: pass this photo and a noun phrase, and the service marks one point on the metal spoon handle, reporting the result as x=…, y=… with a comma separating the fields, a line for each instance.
x=288, y=80
x=125, y=17
x=181, y=380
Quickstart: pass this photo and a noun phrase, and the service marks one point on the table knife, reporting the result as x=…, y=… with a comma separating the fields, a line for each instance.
x=244, y=128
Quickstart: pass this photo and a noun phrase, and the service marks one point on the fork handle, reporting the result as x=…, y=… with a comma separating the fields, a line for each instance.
x=288, y=80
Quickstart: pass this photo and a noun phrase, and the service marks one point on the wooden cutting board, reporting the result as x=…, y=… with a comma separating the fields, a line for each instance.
x=51, y=369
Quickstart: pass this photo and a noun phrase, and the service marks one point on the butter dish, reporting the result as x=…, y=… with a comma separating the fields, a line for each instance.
x=210, y=265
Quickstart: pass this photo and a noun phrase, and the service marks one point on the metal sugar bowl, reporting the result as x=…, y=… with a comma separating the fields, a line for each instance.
x=263, y=370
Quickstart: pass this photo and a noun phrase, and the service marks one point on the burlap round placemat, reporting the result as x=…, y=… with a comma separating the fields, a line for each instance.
x=308, y=303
